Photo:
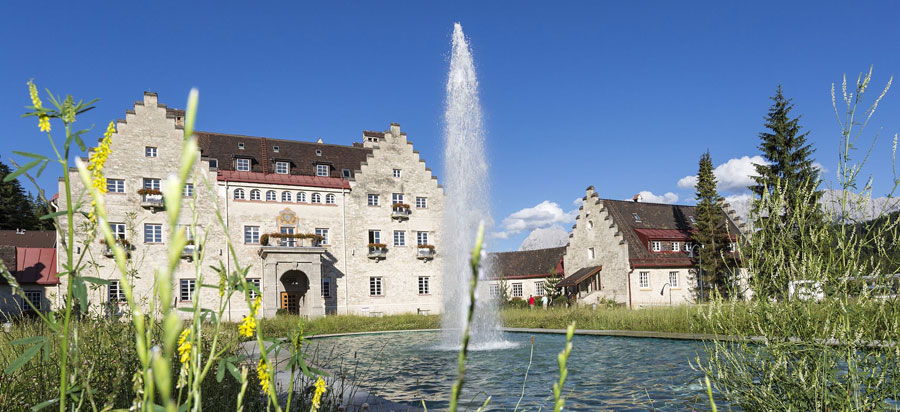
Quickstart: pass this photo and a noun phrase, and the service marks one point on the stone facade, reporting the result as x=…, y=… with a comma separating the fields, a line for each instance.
x=292, y=187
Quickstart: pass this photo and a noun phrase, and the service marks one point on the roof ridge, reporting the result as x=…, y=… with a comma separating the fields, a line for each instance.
x=282, y=140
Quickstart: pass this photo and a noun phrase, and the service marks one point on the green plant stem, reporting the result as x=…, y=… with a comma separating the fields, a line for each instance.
x=460, y=379
x=64, y=341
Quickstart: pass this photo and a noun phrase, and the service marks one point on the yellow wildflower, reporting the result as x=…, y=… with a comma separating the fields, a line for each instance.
x=248, y=325
x=262, y=371
x=44, y=123
x=43, y=119
x=320, y=389
x=98, y=159
x=184, y=346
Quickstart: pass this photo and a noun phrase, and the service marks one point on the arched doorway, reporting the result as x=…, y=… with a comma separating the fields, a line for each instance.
x=295, y=284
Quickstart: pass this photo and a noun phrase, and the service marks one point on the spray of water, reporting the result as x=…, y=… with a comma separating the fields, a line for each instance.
x=467, y=203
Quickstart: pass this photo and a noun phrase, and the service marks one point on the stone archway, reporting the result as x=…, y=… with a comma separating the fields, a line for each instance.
x=295, y=286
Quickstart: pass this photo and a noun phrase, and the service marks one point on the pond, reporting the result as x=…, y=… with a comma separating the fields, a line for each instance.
x=605, y=373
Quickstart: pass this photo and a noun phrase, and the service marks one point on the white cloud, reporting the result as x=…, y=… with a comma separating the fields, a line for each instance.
x=543, y=215
x=732, y=176
x=542, y=238
x=649, y=197
x=740, y=204
x=578, y=201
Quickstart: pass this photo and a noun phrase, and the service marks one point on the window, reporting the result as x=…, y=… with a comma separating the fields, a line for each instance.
x=590, y=253
x=254, y=194
x=151, y=183
x=346, y=173
x=590, y=224
x=316, y=198
x=33, y=296
x=397, y=172
x=281, y=168
x=397, y=198
x=423, y=285
x=242, y=165
x=494, y=290
x=673, y=279
x=251, y=234
x=329, y=199
x=421, y=238
x=239, y=194
x=421, y=203
x=517, y=290
x=539, y=288
x=323, y=232
x=375, y=286
x=287, y=241
x=213, y=164
x=374, y=236
x=285, y=196
x=733, y=247
x=271, y=196
x=275, y=149
x=301, y=197
x=115, y=185
x=326, y=288
x=657, y=246
x=693, y=221
x=118, y=230
x=150, y=152
x=318, y=152
x=322, y=170
x=240, y=146
x=373, y=199
x=399, y=238
x=676, y=246
x=152, y=233
x=644, y=279
x=637, y=218
x=186, y=290
x=114, y=292
x=188, y=190
x=688, y=246
x=254, y=282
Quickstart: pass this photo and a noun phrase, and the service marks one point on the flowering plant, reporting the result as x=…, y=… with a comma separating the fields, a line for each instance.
x=153, y=192
x=377, y=246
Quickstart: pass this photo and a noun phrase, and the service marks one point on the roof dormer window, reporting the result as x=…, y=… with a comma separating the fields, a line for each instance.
x=322, y=170
x=637, y=218
x=657, y=246
x=240, y=146
x=318, y=152
x=242, y=165
x=693, y=221
x=275, y=149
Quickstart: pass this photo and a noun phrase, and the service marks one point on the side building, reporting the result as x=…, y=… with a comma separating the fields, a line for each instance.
x=30, y=257
x=524, y=273
x=322, y=228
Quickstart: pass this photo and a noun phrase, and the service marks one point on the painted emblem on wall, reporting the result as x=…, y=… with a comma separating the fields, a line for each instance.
x=286, y=217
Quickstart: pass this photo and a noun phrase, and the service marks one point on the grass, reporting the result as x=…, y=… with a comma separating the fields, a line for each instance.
x=681, y=319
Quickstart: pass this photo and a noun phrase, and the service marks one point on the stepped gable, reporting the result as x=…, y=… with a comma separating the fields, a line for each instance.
x=302, y=156
x=657, y=221
x=526, y=263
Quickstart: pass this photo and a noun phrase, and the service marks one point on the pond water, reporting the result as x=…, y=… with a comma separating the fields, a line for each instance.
x=605, y=373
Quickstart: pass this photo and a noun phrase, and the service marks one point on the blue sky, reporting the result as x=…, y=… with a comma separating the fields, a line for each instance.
x=624, y=96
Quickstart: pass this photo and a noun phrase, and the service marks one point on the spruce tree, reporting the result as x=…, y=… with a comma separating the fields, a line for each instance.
x=16, y=210
x=711, y=233
x=785, y=149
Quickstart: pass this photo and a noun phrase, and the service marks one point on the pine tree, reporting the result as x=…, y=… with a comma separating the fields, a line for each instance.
x=39, y=209
x=785, y=149
x=16, y=210
x=711, y=233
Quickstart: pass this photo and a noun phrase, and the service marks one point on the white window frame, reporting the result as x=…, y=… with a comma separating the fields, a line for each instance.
x=329, y=199
x=494, y=290
x=323, y=170
x=374, y=236
x=644, y=280
x=326, y=288
x=36, y=297
x=256, y=282
x=301, y=197
x=591, y=253
x=187, y=287
x=372, y=199
x=399, y=238
x=238, y=194
x=346, y=173
x=398, y=173
x=242, y=164
x=673, y=279
x=251, y=235
x=517, y=291
x=271, y=196
x=376, y=286
x=188, y=190
x=115, y=185
x=255, y=194
x=422, y=238
x=316, y=198
x=421, y=202
x=285, y=196
x=676, y=246
x=150, y=151
x=396, y=198
x=151, y=183
x=424, y=285
x=118, y=230
x=154, y=233
x=323, y=232
x=539, y=288
x=656, y=245
x=114, y=292
x=213, y=163
x=282, y=168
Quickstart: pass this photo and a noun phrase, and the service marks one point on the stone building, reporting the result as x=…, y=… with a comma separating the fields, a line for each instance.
x=524, y=273
x=634, y=253
x=323, y=228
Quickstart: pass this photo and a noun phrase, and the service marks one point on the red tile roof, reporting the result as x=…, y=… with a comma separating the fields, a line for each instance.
x=293, y=180
x=36, y=265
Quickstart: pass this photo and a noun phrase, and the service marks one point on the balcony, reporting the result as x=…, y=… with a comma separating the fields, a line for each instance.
x=425, y=252
x=400, y=211
x=377, y=251
x=151, y=199
x=108, y=251
x=188, y=251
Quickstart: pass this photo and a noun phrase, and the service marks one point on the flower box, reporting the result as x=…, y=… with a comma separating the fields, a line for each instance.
x=189, y=249
x=400, y=211
x=377, y=251
x=425, y=252
x=151, y=198
x=108, y=251
x=290, y=239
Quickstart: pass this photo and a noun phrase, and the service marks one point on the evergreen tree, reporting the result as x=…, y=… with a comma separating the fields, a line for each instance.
x=39, y=209
x=16, y=210
x=711, y=233
x=785, y=148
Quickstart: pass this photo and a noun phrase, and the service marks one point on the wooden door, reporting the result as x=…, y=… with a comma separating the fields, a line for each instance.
x=290, y=301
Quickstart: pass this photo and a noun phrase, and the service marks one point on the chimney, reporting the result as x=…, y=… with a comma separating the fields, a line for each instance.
x=637, y=198
x=590, y=191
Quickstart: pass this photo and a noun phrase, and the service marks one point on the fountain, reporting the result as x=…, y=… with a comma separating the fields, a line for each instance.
x=467, y=203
